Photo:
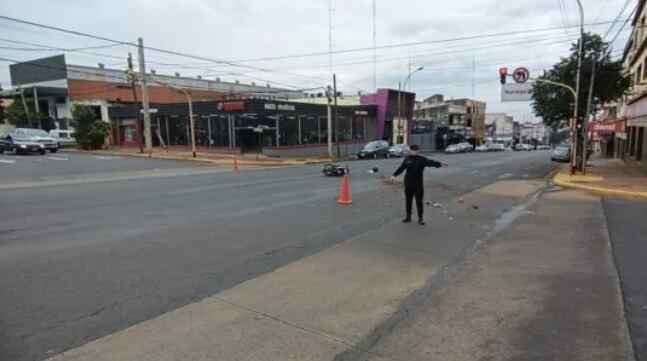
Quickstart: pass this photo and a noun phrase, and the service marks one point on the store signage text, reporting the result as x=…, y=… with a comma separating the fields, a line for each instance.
x=274, y=106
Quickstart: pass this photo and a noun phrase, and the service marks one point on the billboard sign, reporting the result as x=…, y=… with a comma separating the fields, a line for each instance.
x=516, y=92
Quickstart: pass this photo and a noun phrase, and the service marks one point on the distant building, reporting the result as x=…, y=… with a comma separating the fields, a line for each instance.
x=500, y=127
x=452, y=121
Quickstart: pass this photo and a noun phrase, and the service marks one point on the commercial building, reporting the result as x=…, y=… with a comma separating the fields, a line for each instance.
x=450, y=121
x=270, y=127
x=631, y=145
x=56, y=86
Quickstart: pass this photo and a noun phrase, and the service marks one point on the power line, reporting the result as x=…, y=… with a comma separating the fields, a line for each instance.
x=398, y=45
x=561, y=11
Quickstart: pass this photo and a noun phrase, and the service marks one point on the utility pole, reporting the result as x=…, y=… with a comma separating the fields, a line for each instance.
x=37, y=108
x=374, y=45
x=24, y=104
x=334, y=87
x=145, y=106
x=473, y=76
x=329, y=119
x=575, y=164
x=133, y=85
x=330, y=37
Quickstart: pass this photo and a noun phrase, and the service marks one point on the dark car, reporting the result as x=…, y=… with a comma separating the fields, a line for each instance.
x=378, y=148
x=20, y=144
x=561, y=154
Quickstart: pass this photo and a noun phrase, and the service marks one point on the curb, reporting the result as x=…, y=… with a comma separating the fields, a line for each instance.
x=560, y=180
x=243, y=162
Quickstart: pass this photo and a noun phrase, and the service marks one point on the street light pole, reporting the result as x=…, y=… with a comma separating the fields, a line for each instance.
x=575, y=156
x=191, y=120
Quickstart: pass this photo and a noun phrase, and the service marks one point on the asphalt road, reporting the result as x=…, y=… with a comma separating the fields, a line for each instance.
x=83, y=260
x=628, y=233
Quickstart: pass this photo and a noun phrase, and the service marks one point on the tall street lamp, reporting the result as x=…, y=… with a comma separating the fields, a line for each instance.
x=400, y=91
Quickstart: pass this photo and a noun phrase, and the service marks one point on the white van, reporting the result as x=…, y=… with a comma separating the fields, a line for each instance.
x=63, y=136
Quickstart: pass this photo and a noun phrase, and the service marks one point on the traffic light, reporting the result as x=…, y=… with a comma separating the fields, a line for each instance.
x=503, y=73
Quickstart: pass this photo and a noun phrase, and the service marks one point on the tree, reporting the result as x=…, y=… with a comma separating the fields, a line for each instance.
x=89, y=132
x=555, y=104
x=16, y=116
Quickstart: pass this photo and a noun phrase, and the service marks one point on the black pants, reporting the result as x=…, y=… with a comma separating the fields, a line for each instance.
x=409, y=193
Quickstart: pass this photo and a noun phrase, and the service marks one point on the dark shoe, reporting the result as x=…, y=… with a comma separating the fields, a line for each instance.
x=406, y=220
x=421, y=222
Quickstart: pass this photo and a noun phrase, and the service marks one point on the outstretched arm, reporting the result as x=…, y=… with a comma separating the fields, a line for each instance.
x=401, y=168
x=433, y=163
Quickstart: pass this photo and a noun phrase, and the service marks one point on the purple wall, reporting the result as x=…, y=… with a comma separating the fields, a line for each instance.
x=383, y=99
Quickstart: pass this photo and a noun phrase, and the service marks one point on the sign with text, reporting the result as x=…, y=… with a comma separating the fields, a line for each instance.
x=516, y=92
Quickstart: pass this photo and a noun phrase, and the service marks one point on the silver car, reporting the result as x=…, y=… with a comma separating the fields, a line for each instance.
x=39, y=136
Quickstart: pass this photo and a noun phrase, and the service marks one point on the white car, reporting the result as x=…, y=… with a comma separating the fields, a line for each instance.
x=466, y=147
x=522, y=146
x=498, y=147
x=482, y=148
x=454, y=148
x=63, y=136
x=399, y=150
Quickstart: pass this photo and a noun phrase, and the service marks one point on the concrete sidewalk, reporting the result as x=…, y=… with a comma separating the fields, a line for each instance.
x=406, y=292
x=204, y=157
x=541, y=290
x=607, y=177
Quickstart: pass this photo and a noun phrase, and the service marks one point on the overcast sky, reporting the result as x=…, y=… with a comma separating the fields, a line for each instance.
x=239, y=30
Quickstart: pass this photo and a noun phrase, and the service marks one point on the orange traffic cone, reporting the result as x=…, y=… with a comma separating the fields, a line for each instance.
x=344, y=194
x=235, y=166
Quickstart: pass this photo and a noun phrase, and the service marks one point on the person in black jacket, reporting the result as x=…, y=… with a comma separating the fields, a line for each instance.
x=415, y=165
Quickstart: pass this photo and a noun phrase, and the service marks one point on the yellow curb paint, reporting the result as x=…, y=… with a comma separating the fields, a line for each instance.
x=561, y=180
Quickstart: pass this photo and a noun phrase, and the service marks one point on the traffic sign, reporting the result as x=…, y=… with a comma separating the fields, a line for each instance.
x=521, y=75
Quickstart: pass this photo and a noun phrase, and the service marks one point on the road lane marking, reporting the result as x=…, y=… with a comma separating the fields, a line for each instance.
x=474, y=171
x=105, y=157
x=7, y=161
x=57, y=158
x=506, y=175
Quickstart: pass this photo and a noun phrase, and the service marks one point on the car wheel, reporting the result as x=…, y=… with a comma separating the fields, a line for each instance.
x=54, y=150
x=41, y=151
x=1, y=150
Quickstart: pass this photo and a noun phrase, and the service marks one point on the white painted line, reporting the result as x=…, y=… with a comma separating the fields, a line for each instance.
x=57, y=158
x=507, y=175
x=525, y=176
x=474, y=171
x=7, y=161
x=104, y=157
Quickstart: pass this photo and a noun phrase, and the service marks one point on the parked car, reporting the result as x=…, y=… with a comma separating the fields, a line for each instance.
x=399, y=150
x=453, y=148
x=378, y=148
x=20, y=144
x=466, y=147
x=482, y=148
x=522, y=146
x=561, y=154
x=39, y=136
x=498, y=147
x=63, y=136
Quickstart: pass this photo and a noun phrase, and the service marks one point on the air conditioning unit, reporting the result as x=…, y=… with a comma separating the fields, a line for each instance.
x=177, y=74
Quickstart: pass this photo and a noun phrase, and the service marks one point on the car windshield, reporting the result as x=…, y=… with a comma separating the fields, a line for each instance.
x=371, y=145
x=37, y=132
x=20, y=137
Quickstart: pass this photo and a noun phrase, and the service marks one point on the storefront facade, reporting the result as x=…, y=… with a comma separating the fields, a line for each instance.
x=272, y=128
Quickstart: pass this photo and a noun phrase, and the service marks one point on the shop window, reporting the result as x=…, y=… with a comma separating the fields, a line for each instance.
x=309, y=130
x=639, y=143
x=323, y=129
x=289, y=130
x=358, y=128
